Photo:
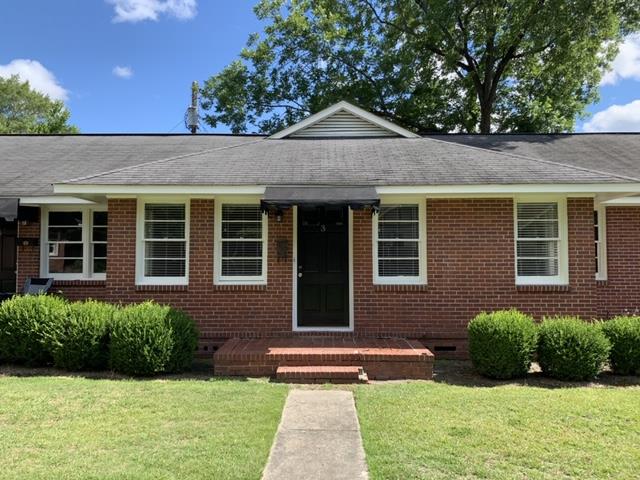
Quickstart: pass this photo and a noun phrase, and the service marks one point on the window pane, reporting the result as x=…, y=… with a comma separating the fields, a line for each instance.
x=100, y=218
x=537, y=229
x=398, y=249
x=66, y=250
x=65, y=218
x=545, y=267
x=99, y=234
x=241, y=230
x=398, y=212
x=100, y=250
x=164, y=268
x=241, y=249
x=241, y=268
x=99, y=265
x=538, y=211
x=538, y=249
x=398, y=268
x=65, y=265
x=398, y=230
x=165, y=249
x=68, y=234
x=251, y=213
x=161, y=211
x=161, y=230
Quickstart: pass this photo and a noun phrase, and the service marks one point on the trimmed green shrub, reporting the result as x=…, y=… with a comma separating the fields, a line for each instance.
x=624, y=335
x=149, y=338
x=81, y=340
x=185, y=341
x=26, y=323
x=571, y=349
x=502, y=343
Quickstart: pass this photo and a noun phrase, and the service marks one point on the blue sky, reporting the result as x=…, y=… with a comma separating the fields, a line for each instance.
x=127, y=65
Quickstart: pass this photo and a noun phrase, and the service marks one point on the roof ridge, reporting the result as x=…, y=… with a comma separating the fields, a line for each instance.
x=152, y=162
x=535, y=159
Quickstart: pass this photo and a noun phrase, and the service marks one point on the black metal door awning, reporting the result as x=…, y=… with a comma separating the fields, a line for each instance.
x=9, y=208
x=356, y=197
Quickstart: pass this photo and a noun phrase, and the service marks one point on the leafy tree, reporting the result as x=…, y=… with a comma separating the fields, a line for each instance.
x=23, y=110
x=430, y=65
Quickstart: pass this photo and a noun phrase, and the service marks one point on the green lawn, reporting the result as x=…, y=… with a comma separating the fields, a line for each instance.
x=439, y=431
x=68, y=428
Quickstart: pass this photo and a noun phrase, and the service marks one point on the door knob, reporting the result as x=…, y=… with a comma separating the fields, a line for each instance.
x=300, y=275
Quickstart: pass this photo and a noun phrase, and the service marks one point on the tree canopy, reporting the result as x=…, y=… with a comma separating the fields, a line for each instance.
x=24, y=110
x=429, y=65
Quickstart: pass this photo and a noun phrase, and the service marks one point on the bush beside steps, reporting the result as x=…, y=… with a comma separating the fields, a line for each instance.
x=624, y=335
x=502, y=343
x=141, y=339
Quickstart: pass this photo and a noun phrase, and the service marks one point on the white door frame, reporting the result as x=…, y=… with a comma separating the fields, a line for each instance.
x=294, y=274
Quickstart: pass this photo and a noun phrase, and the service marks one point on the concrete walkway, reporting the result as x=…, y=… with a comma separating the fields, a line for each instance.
x=318, y=438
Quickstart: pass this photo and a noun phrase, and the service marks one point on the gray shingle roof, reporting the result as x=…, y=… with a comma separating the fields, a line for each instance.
x=617, y=153
x=379, y=161
x=29, y=165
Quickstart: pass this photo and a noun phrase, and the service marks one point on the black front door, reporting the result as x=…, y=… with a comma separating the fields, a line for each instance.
x=7, y=256
x=323, y=266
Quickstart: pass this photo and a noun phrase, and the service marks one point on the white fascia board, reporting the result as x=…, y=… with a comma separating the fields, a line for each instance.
x=54, y=200
x=348, y=107
x=570, y=188
x=624, y=201
x=113, y=190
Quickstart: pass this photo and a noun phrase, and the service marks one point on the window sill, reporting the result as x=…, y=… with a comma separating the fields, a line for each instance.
x=84, y=282
x=400, y=287
x=240, y=286
x=543, y=288
x=162, y=288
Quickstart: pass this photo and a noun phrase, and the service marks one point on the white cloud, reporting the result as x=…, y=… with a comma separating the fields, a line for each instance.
x=616, y=118
x=122, y=72
x=39, y=78
x=140, y=10
x=626, y=64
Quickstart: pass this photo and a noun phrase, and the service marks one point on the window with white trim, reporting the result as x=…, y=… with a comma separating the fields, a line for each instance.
x=541, y=256
x=74, y=243
x=241, y=243
x=164, y=243
x=599, y=227
x=399, y=244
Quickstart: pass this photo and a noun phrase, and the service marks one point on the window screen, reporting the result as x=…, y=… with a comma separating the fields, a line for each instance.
x=165, y=243
x=399, y=241
x=66, y=250
x=538, y=239
x=242, y=241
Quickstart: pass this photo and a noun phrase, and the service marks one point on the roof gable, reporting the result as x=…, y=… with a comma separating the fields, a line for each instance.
x=343, y=120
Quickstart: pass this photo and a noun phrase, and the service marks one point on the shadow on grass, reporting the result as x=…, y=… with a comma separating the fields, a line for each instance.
x=460, y=372
x=200, y=370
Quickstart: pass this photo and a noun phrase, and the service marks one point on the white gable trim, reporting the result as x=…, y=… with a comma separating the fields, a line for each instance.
x=347, y=107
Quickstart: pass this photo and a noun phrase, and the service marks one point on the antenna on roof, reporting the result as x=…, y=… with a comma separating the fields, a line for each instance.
x=192, y=111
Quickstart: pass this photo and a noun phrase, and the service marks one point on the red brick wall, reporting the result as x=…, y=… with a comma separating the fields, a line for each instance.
x=470, y=261
x=620, y=293
x=470, y=268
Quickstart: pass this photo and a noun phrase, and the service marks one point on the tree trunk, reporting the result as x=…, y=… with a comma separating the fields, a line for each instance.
x=486, y=108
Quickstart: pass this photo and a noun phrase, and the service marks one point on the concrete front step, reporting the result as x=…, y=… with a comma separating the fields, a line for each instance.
x=321, y=374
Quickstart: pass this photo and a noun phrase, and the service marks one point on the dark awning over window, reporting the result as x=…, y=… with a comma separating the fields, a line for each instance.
x=285, y=197
x=9, y=208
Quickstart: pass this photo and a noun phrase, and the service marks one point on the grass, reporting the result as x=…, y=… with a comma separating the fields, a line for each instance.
x=69, y=428
x=441, y=431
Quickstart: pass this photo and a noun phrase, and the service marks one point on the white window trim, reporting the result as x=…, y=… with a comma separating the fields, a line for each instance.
x=421, y=279
x=141, y=278
x=87, y=226
x=218, y=278
x=563, y=248
x=602, y=242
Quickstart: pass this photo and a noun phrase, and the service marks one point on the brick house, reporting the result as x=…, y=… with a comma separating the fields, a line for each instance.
x=343, y=224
